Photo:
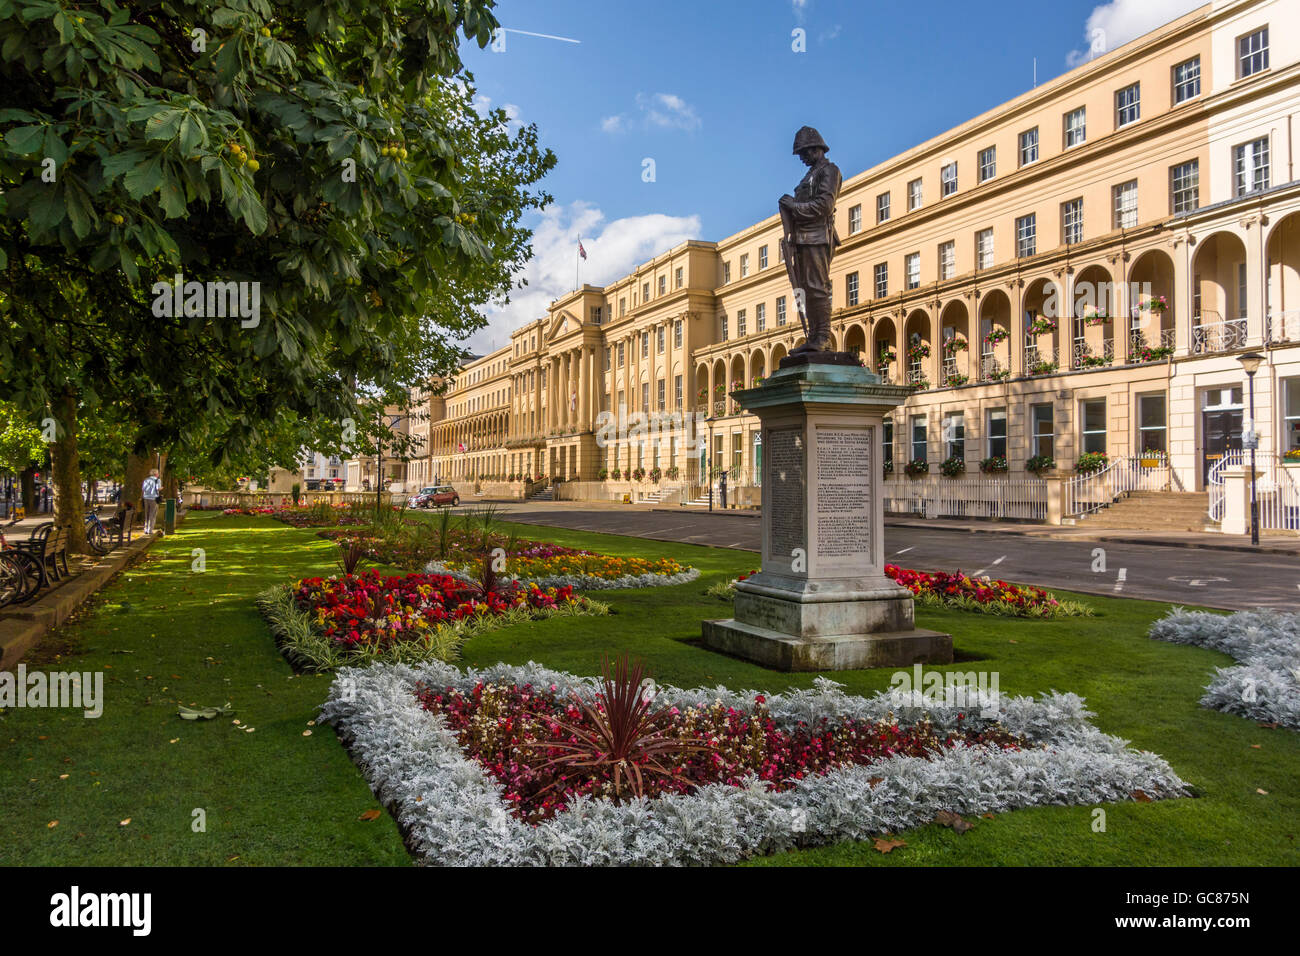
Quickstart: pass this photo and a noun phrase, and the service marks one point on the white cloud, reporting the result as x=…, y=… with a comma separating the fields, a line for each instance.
x=614, y=249
x=1113, y=24
x=831, y=34
x=655, y=111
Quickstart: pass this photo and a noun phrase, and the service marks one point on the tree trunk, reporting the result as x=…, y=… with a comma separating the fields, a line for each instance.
x=137, y=467
x=27, y=480
x=65, y=468
x=169, y=485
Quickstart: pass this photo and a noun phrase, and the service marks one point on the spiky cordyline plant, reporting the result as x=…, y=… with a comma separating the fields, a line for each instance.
x=353, y=552
x=625, y=737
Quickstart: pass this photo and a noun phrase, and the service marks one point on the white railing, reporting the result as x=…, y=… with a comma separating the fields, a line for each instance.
x=1137, y=341
x=1084, y=494
x=1082, y=356
x=968, y=497
x=916, y=376
x=1282, y=327
x=1215, y=336
x=1276, y=490
x=1214, y=481
x=1042, y=358
x=990, y=367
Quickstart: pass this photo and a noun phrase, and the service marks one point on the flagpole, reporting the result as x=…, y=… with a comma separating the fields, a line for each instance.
x=577, y=266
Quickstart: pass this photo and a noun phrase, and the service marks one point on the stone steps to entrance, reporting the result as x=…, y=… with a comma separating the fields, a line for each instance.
x=1155, y=511
x=545, y=494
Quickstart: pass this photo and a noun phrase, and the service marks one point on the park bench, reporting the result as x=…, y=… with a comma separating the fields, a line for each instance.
x=49, y=546
x=121, y=525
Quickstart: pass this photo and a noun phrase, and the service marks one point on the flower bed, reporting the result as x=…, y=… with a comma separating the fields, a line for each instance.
x=324, y=623
x=1265, y=686
x=248, y=511
x=983, y=595
x=510, y=729
x=454, y=811
x=583, y=571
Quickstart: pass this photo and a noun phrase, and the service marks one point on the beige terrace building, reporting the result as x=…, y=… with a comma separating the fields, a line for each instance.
x=1076, y=270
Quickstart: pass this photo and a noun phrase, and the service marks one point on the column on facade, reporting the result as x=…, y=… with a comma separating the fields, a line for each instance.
x=1182, y=256
x=1256, y=279
x=1017, y=327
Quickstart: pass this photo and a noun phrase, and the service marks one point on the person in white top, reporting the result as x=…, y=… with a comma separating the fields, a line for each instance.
x=150, y=491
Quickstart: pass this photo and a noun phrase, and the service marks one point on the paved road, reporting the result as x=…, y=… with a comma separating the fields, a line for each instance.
x=1226, y=579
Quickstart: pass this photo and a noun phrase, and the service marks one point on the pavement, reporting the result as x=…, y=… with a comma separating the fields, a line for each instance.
x=1202, y=569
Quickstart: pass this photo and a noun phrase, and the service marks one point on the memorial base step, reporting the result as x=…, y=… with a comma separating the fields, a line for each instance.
x=840, y=652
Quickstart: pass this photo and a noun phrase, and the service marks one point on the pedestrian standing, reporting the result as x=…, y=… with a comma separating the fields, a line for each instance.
x=151, y=492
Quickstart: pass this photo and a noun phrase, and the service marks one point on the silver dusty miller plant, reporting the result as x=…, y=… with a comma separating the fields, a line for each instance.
x=1265, y=685
x=451, y=808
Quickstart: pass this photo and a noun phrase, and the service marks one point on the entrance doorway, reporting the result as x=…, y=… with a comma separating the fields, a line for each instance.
x=1221, y=425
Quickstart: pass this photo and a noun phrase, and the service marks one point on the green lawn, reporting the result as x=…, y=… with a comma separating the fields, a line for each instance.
x=165, y=634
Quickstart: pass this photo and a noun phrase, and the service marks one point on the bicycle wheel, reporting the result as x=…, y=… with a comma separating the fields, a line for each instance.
x=12, y=579
x=29, y=572
x=98, y=539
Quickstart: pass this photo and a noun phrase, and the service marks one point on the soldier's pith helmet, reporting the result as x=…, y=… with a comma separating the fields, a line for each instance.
x=807, y=137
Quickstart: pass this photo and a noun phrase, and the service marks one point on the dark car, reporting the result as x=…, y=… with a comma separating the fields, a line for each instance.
x=436, y=496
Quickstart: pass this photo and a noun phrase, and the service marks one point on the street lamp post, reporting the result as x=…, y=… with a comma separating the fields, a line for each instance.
x=1250, y=362
x=708, y=462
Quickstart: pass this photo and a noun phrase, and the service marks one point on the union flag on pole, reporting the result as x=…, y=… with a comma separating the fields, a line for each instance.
x=581, y=251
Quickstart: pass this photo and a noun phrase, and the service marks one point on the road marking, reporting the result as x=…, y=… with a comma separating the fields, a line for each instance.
x=1000, y=560
x=1197, y=582
x=1120, y=578
x=982, y=570
x=905, y=550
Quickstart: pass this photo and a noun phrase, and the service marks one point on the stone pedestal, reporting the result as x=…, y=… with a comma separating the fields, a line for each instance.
x=822, y=600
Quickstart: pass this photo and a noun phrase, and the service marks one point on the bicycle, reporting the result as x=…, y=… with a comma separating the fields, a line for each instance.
x=20, y=573
x=97, y=534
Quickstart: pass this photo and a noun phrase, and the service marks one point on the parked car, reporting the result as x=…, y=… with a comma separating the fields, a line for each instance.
x=435, y=496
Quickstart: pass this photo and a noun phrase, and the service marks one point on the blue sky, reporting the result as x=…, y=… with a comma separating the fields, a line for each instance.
x=712, y=92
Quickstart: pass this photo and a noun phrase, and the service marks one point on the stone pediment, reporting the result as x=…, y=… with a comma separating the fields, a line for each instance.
x=562, y=323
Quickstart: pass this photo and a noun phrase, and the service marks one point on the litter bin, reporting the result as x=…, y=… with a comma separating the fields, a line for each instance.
x=169, y=517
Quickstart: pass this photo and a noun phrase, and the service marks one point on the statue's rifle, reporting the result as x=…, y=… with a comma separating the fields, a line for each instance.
x=787, y=253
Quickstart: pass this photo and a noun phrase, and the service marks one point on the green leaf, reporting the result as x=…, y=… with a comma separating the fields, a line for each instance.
x=144, y=177
x=25, y=139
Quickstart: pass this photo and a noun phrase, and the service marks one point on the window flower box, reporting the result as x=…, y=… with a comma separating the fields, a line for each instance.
x=954, y=345
x=916, y=468
x=997, y=335
x=1039, y=464
x=1090, y=462
x=919, y=351
x=1042, y=326
x=994, y=465
x=953, y=467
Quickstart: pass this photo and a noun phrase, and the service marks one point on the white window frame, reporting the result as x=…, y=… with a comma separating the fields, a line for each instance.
x=855, y=219
x=851, y=289
x=1072, y=221
x=880, y=279
x=990, y=418
x=1252, y=53
x=1076, y=127
x=1084, y=431
x=983, y=252
x=1162, y=428
x=1188, y=85
x=1128, y=109
x=882, y=207
x=912, y=270
x=1258, y=171
x=948, y=179
x=760, y=317
x=988, y=163
x=741, y=323
x=915, y=194
x=1026, y=235
x=1035, y=436
x=1124, y=198
x=913, y=423
x=1185, y=186
x=1027, y=144
x=1290, y=420
x=780, y=310
x=744, y=265
x=762, y=258
x=947, y=259
x=953, y=434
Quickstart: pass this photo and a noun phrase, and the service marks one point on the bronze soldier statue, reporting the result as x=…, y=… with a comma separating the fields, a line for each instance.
x=808, y=221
